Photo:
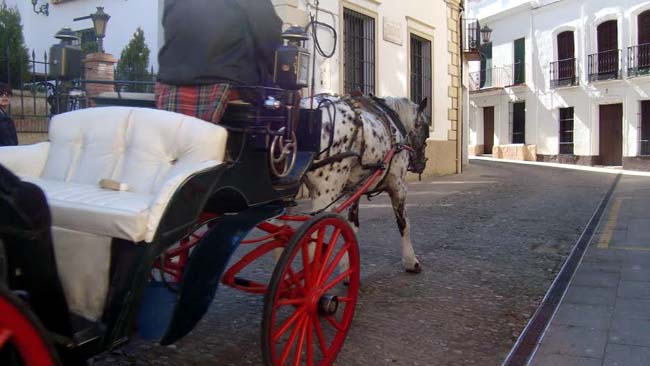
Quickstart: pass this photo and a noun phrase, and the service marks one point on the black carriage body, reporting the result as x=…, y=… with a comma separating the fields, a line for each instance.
x=242, y=192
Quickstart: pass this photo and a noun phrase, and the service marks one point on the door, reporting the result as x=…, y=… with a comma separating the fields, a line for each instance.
x=608, y=48
x=611, y=134
x=488, y=130
x=644, y=40
x=520, y=61
x=566, y=56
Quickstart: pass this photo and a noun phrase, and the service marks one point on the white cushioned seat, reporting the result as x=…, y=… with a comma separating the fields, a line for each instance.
x=153, y=152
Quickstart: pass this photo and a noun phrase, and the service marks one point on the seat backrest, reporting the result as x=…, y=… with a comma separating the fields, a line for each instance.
x=137, y=146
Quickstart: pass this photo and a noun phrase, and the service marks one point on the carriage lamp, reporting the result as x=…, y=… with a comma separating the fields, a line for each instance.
x=486, y=34
x=42, y=9
x=292, y=60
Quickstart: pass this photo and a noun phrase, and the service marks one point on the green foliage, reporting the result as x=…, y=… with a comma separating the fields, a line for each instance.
x=134, y=61
x=12, y=47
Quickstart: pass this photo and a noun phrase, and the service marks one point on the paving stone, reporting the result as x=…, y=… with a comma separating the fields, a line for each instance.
x=630, y=331
x=574, y=341
x=632, y=309
x=624, y=355
x=634, y=290
x=591, y=295
x=635, y=273
x=595, y=279
x=564, y=360
x=611, y=267
x=584, y=315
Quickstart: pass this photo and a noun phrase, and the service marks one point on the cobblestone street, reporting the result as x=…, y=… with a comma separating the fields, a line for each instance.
x=490, y=242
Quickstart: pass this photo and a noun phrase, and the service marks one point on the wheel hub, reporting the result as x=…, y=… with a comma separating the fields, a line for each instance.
x=328, y=304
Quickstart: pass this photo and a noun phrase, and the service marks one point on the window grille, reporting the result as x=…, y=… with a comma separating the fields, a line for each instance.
x=566, y=130
x=421, y=85
x=644, y=129
x=359, y=46
x=517, y=122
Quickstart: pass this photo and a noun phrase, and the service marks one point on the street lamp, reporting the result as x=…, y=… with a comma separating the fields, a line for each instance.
x=100, y=19
x=43, y=9
x=486, y=34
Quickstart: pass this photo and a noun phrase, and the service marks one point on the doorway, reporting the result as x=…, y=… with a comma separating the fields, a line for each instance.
x=611, y=134
x=488, y=130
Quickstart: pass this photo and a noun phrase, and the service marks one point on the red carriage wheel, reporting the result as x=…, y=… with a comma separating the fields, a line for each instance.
x=22, y=339
x=312, y=294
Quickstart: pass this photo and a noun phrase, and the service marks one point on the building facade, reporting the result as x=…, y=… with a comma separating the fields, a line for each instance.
x=409, y=48
x=563, y=81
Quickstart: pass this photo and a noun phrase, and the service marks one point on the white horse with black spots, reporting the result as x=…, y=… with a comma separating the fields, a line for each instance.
x=357, y=134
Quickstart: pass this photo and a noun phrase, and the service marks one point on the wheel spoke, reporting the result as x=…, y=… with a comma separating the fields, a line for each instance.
x=334, y=323
x=301, y=341
x=317, y=253
x=285, y=302
x=338, y=279
x=287, y=323
x=319, y=335
x=310, y=343
x=305, y=266
x=336, y=261
x=292, y=339
x=330, y=248
x=344, y=299
x=5, y=335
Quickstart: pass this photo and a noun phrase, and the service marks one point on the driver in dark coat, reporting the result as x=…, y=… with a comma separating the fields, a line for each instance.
x=211, y=46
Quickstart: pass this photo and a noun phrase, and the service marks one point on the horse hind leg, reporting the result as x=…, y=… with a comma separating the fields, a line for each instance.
x=398, y=200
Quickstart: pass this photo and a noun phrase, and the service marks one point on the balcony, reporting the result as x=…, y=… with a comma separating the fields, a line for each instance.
x=492, y=78
x=564, y=73
x=638, y=60
x=471, y=39
x=605, y=66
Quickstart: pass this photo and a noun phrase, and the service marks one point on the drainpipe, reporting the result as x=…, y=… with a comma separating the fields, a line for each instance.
x=459, y=94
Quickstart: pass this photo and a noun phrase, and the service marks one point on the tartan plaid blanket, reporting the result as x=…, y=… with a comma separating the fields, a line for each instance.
x=206, y=102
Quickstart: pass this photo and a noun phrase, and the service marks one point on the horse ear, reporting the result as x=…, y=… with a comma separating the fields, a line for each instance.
x=423, y=105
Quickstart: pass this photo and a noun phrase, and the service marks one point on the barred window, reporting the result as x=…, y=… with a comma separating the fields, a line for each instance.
x=421, y=72
x=518, y=122
x=644, y=127
x=359, y=46
x=566, y=130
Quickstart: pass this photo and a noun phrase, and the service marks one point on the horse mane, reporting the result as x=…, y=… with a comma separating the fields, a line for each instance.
x=405, y=109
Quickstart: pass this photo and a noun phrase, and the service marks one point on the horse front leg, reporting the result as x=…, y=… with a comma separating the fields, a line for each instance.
x=397, y=193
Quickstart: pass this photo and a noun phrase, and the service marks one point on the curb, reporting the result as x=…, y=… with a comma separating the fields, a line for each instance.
x=566, y=166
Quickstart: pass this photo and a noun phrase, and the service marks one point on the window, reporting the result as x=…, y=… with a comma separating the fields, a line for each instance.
x=519, y=65
x=644, y=127
x=566, y=130
x=518, y=122
x=421, y=72
x=643, y=50
x=359, y=46
x=608, y=55
x=486, y=66
x=563, y=72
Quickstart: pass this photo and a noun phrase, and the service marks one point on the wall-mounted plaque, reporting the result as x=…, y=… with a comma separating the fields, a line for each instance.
x=392, y=31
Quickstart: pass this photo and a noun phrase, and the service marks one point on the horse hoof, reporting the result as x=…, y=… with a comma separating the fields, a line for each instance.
x=416, y=269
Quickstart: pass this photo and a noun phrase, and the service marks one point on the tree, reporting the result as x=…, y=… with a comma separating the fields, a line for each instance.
x=13, y=53
x=134, y=61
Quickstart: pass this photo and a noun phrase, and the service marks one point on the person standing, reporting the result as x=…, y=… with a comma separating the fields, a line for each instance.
x=8, y=136
x=211, y=46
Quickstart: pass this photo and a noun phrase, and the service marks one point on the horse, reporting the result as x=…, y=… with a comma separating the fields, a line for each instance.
x=357, y=132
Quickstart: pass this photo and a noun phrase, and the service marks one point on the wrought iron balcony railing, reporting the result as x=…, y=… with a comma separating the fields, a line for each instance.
x=564, y=73
x=492, y=78
x=638, y=60
x=605, y=65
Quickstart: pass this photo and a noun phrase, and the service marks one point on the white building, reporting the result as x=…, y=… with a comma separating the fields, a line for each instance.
x=563, y=80
x=386, y=47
